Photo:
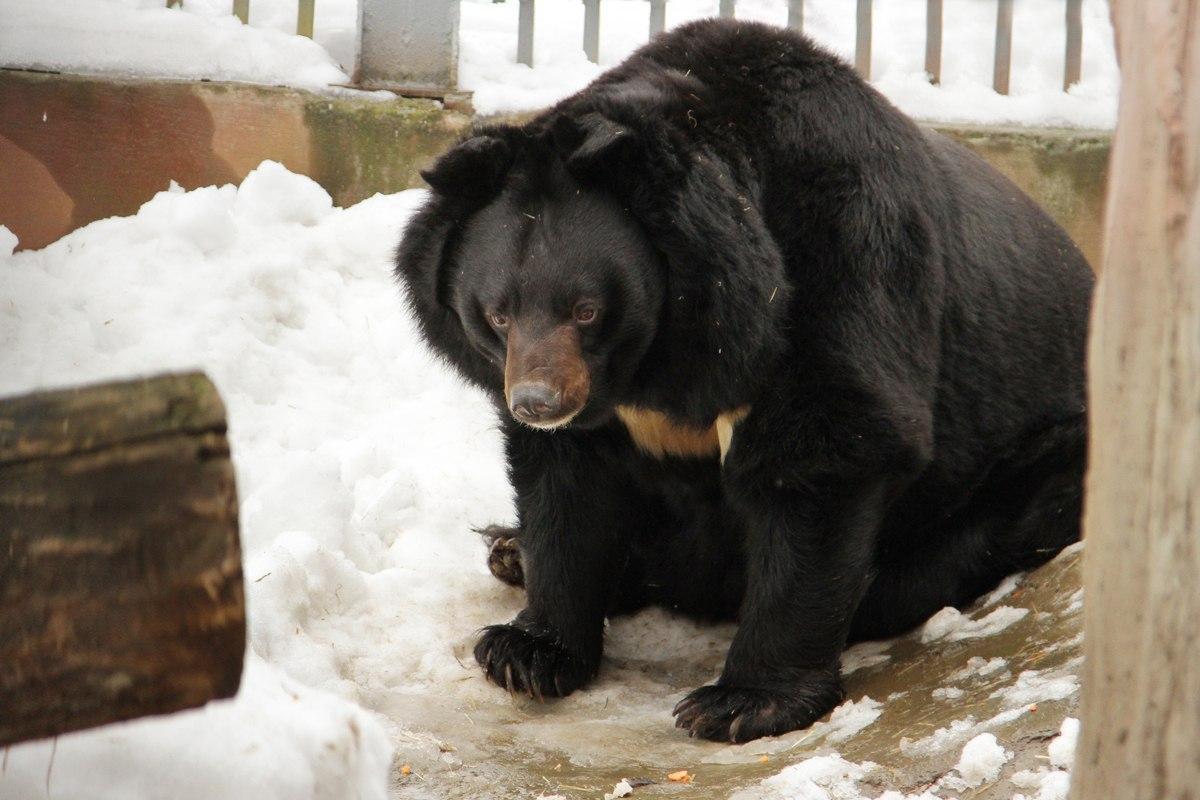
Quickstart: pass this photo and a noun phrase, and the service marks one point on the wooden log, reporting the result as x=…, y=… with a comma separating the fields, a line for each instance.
x=1140, y=734
x=120, y=568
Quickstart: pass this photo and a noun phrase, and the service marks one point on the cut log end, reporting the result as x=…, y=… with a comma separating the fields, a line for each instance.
x=120, y=564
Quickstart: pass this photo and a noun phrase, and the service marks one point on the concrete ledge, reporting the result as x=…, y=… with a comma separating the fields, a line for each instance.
x=75, y=148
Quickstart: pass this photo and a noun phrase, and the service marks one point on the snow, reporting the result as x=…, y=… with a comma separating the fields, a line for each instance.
x=1034, y=686
x=141, y=37
x=355, y=521
x=980, y=667
x=1054, y=783
x=828, y=777
x=362, y=464
x=277, y=739
x=952, y=625
x=981, y=760
x=1062, y=748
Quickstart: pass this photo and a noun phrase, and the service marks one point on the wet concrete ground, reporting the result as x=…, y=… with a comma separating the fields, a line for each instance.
x=1007, y=666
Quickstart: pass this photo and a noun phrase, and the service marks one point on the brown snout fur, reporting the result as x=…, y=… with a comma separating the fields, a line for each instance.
x=552, y=357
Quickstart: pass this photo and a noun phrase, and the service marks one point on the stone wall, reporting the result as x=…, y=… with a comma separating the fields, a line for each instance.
x=74, y=149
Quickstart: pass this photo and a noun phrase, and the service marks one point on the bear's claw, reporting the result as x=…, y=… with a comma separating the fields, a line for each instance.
x=735, y=714
x=531, y=662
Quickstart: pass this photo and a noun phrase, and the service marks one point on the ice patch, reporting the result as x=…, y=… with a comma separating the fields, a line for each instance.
x=1034, y=686
x=952, y=625
x=863, y=655
x=979, y=667
x=1006, y=587
x=828, y=777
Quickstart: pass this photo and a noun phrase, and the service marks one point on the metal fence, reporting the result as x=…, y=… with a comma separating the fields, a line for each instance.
x=412, y=45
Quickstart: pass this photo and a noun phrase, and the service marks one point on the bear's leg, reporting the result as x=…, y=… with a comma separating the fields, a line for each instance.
x=1022, y=516
x=575, y=504
x=807, y=568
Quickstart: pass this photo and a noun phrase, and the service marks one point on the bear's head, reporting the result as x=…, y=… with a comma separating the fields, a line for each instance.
x=531, y=282
x=594, y=257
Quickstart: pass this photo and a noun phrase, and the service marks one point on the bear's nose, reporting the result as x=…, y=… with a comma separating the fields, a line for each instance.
x=535, y=402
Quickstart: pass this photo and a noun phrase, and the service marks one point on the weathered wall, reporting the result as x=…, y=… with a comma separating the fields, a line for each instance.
x=75, y=149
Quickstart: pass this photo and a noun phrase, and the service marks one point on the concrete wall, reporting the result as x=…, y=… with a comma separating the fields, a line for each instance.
x=74, y=149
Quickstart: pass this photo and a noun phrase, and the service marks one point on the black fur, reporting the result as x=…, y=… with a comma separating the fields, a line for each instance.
x=763, y=229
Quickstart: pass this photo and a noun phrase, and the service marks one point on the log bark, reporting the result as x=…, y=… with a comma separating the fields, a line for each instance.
x=120, y=567
x=1140, y=736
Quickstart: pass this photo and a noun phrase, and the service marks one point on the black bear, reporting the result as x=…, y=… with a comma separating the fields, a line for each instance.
x=763, y=349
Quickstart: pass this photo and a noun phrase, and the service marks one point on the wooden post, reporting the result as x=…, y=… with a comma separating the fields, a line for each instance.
x=726, y=8
x=408, y=46
x=241, y=10
x=862, y=39
x=591, y=30
x=1140, y=738
x=120, y=568
x=305, y=12
x=795, y=18
x=1073, y=68
x=525, y=33
x=933, y=41
x=658, y=16
x=1002, y=66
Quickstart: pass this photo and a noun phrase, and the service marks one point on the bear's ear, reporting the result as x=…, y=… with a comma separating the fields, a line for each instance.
x=584, y=141
x=472, y=168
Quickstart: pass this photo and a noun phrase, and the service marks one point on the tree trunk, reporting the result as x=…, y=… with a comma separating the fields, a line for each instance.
x=120, y=567
x=1141, y=678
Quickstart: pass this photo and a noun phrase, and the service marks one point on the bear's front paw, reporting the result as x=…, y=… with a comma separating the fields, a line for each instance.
x=533, y=661
x=739, y=714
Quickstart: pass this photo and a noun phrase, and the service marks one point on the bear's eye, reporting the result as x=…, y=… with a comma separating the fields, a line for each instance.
x=497, y=320
x=585, y=312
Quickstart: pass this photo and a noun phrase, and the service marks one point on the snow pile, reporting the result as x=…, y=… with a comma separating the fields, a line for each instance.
x=828, y=777
x=277, y=739
x=141, y=37
x=354, y=453
x=1062, y=748
x=981, y=760
x=1055, y=783
x=1034, y=686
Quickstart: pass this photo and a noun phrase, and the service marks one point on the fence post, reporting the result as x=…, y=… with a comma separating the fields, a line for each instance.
x=591, y=30
x=241, y=10
x=1003, y=62
x=1074, y=61
x=862, y=39
x=408, y=45
x=933, y=41
x=796, y=15
x=305, y=11
x=726, y=9
x=525, y=33
x=658, y=16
